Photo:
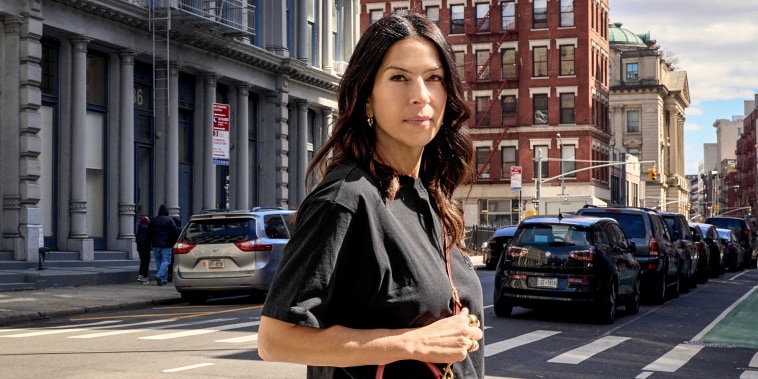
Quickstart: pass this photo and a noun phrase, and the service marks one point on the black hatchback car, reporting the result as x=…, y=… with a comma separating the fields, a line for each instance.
x=495, y=246
x=561, y=260
x=654, y=250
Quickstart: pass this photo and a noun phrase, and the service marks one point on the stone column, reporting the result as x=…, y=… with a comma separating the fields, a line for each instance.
x=242, y=162
x=171, y=184
x=209, y=169
x=302, y=31
x=275, y=35
x=326, y=124
x=327, y=46
x=9, y=152
x=126, y=198
x=302, y=150
x=78, y=201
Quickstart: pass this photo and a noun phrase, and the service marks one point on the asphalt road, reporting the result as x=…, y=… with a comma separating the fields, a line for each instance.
x=708, y=333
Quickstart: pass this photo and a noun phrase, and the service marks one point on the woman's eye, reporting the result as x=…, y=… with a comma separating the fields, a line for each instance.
x=397, y=78
x=436, y=78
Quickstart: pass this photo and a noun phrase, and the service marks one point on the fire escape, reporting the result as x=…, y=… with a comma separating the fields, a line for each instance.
x=233, y=19
x=483, y=119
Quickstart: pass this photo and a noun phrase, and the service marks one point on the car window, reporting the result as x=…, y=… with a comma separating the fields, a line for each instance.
x=632, y=224
x=620, y=235
x=218, y=231
x=274, y=226
x=659, y=225
x=601, y=238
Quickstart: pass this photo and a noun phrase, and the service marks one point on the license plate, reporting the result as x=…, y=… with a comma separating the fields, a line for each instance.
x=215, y=263
x=547, y=282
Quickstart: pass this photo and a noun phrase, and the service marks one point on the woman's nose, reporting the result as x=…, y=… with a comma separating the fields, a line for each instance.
x=420, y=92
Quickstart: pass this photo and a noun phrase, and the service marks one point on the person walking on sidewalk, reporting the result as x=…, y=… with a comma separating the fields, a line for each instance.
x=143, y=248
x=162, y=235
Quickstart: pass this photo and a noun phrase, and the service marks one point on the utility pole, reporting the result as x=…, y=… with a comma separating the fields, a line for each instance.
x=538, y=182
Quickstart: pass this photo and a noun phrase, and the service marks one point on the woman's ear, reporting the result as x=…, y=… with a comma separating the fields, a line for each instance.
x=369, y=110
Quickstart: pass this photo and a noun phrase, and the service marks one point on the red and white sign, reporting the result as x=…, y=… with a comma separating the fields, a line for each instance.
x=220, y=134
x=515, y=178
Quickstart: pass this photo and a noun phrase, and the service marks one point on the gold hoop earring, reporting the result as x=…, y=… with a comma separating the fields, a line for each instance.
x=370, y=121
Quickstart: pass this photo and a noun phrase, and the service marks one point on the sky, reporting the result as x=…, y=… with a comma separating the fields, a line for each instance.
x=715, y=42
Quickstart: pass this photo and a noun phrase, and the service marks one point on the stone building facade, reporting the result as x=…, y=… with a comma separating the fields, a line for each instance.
x=108, y=111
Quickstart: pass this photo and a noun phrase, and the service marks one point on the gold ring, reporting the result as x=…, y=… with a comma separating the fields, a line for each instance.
x=473, y=321
x=474, y=346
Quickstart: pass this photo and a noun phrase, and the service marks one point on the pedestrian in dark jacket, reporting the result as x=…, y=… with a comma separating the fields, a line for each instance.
x=162, y=232
x=143, y=249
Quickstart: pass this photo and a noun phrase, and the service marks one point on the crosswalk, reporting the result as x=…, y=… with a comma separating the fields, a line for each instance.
x=175, y=328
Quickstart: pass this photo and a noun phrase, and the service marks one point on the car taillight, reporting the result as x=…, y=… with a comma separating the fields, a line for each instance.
x=254, y=244
x=578, y=281
x=653, y=246
x=729, y=245
x=517, y=277
x=745, y=233
x=699, y=245
x=182, y=248
x=582, y=255
x=514, y=252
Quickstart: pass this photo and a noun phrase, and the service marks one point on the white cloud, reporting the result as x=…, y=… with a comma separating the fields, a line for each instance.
x=691, y=127
x=694, y=111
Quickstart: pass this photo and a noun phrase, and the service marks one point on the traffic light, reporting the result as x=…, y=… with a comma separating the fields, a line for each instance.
x=651, y=174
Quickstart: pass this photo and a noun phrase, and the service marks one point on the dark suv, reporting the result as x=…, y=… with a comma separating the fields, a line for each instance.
x=679, y=231
x=225, y=252
x=744, y=233
x=653, y=249
x=560, y=260
x=496, y=245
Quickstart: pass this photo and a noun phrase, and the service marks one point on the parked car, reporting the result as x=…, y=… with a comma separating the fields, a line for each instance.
x=225, y=252
x=660, y=263
x=495, y=245
x=709, y=237
x=734, y=252
x=559, y=260
x=745, y=235
x=679, y=230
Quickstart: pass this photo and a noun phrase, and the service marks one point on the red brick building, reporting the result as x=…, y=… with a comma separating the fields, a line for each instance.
x=746, y=166
x=536, y=76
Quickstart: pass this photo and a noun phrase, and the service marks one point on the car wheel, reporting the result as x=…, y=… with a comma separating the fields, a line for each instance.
x=194, y=298
x=606, y=310
x=503, y=307
x=632, y=305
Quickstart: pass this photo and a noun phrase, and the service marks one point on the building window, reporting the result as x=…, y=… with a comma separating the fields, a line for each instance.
x=539, y=103
x=401, y=11
x=482, y=64
x=482, y=17
x=633, y=122
x=539, y=64
x=49, y=66
x=313, y=33
x=567, y=60
x=433, y=14
x=375, y=15
x=567, y=108
x=508, y=15
x=541, y=164
x=96, y=83
x=508, y=60
x=632, y=71
x=456, y=19
x=499, y=212
x=508, y=110
x=539, y=14
x=568, y=160
x=567, y=12
x=460, y=64
x=482, y=162
x=508, y=159
x=482, y=103
x=633, y=151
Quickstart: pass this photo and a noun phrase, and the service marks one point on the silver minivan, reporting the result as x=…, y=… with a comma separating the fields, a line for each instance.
x=230, y=252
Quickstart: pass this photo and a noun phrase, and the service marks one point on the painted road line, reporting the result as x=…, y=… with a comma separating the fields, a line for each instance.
x=128, y=331
x=199, y=365
x=499, y=347
x=582, y=353
x=62, y=330
x=675, y=358
x=749, y=374
x=20, y=299
x=248, y=338
x=723, y=314
x=196, y=332
x=754, y=361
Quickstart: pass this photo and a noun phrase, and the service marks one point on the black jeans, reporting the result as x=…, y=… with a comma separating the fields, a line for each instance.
x=144, y=262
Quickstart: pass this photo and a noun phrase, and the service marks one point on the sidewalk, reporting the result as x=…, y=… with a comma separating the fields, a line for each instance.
x=17, y=307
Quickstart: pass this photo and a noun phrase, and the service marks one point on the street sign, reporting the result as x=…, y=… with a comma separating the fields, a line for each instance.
x=515, y=178
x=220, y=134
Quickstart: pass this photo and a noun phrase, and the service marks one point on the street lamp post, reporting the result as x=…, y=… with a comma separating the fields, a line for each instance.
x=563, y=183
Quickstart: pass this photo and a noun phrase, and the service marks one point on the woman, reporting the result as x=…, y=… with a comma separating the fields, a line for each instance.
x=363, y=281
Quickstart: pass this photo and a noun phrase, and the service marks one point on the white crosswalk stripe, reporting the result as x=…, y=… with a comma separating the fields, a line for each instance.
x=585, y=352
x=196, y=332
x=128, y=331
x=248, y=338
x=675, y=358
x=499, y=347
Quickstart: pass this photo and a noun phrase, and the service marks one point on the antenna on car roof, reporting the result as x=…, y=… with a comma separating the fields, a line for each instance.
x=560, y=215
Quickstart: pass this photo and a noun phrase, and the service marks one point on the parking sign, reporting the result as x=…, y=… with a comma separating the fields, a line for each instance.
x=515, y=178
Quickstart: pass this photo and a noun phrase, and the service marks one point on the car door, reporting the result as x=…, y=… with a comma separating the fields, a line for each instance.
x=622, y=257
x=667, y=248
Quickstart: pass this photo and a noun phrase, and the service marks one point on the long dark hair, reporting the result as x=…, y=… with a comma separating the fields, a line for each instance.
x=446, y=160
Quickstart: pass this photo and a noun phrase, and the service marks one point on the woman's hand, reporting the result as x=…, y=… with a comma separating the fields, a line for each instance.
x=447, y=340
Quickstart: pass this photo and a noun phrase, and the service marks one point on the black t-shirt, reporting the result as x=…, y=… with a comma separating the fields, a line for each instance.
x=362, y=262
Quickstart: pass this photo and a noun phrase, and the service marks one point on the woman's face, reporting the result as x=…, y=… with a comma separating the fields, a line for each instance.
x=408, y=99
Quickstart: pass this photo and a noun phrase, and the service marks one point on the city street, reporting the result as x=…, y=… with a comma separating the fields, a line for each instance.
x=689, y=336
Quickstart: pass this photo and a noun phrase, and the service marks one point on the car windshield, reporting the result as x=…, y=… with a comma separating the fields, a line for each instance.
x=726, y=223
x=218, y=231
x=539, y=234
x=725, y=234
x=632, y=224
